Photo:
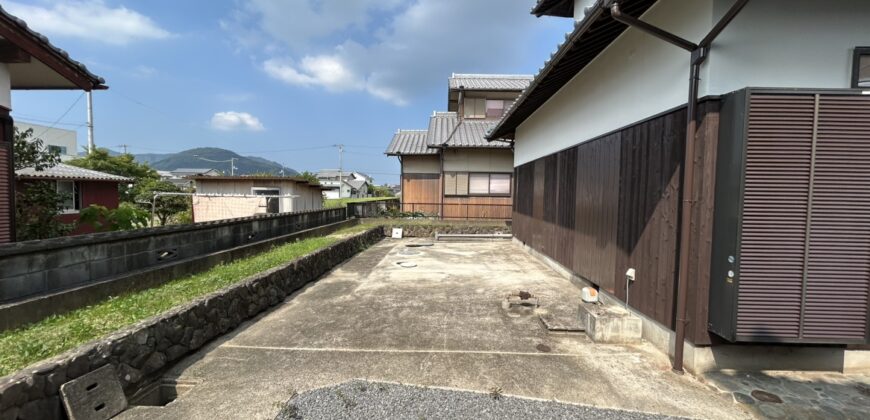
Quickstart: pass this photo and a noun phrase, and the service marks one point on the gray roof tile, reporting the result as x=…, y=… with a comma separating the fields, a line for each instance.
x=510, y=82
x=64, y=171
x=441, y=126
x=410, y=142
x=472, y=133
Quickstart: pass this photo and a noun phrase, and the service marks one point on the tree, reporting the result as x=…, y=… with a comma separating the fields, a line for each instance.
x=380, y=191
x=37, y=203
x=122, y=165
x=126, y=217
x=165, y=207
x=310, y=177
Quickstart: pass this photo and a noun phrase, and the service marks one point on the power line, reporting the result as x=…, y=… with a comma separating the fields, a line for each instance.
x=61, y=116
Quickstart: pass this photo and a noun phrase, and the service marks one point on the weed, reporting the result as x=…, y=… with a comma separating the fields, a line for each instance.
x=495, y=393
x=348, y=403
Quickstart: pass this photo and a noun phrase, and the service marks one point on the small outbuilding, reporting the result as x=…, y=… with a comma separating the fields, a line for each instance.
x=228, y=197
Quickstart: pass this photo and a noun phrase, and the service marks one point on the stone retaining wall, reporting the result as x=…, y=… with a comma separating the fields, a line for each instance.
x=414, y=230
x=141, y=352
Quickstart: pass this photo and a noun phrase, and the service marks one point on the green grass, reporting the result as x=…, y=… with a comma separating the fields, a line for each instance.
x=331, y=203
x=56, y=334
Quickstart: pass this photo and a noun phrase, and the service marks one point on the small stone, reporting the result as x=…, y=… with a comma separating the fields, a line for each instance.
x=9, y=414
x=12, y=393
x=156, y=361
x=765, y=396
x=743, y=398
x=46, y=408
x=141, y=337
x=77, y=366
x=175, y=352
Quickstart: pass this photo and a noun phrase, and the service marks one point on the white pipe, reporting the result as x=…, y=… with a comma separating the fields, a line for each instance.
x=90, y=123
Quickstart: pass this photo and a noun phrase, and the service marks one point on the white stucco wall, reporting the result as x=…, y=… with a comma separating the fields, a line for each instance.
x=215, y=208
x=478, y=160
x=788, y=43
x=771, y=43
x=635, y=77
x=5, y=87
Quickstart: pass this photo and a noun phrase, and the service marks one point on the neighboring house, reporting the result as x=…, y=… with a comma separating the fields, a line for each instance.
x=81, y=187
x=451, y=170
x=28, y=61
x=778, y=238
x=229, y=197
x=191, y=172
x=349, y=184
x=59, y=140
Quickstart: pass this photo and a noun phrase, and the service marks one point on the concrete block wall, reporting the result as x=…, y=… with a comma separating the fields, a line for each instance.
x=142, y=352
x=36, y=268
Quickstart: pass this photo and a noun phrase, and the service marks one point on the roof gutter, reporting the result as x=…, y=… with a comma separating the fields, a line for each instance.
x=699, y=53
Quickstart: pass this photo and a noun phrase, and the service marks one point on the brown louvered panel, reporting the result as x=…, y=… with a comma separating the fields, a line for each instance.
x=5, y=195
x=777, y=179
x=838, y=267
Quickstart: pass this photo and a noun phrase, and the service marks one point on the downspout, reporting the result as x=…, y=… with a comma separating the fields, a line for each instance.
x=699, y=53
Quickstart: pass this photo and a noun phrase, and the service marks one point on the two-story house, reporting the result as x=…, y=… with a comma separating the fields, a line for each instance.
x=707, y=164
x=341, y=184
x=28, y=61
x=450, y=170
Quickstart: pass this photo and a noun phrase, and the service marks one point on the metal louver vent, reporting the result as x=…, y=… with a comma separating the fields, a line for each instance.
x=838, y=265
x=805, y=234
x=776, y=195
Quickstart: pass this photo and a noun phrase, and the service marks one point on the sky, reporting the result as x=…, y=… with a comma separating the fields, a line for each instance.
x=281, y=79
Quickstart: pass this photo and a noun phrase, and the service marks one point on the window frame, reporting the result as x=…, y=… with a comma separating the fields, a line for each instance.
x=489, y=183
x=856, y=65
x=76, y=196
x=473, y=116
x=255, y=190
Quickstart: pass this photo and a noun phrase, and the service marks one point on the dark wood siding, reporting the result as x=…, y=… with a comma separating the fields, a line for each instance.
x=421, y=193
x=622, y=211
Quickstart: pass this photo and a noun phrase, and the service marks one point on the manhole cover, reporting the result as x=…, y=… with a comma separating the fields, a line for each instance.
x=406, y=264
x=543, y=348
x=765, y=396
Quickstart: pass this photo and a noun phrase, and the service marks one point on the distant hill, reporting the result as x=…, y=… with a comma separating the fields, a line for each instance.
x=190, y=159
x=150, y=158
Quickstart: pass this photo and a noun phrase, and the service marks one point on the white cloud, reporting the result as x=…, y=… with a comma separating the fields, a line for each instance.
x=92, y=20
x=232, y=120
x=393, y=50
x=144, y=72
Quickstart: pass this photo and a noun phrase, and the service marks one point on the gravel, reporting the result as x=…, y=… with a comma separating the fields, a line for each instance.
x=360, y=399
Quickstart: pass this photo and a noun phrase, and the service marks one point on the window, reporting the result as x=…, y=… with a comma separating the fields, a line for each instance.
x=861, y=68
x=478, y=184
x=71, y=196
x=463, y=183
x=494, y=108
x=500, y=184
x=475, y=108
x=61, y=150
x=272, y=204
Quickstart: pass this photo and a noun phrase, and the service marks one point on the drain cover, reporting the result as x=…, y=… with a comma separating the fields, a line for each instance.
x=765, y=396
x=95, y=396
x=417, y=245
x=543, y=348
x=406, y=264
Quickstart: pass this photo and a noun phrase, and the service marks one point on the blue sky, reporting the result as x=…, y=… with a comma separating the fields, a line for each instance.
x=281, y=79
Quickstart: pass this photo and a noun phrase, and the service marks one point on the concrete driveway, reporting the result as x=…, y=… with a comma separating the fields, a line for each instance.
x=439, y=323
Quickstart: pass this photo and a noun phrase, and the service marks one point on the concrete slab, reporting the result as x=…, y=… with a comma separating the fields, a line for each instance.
x=440, y=323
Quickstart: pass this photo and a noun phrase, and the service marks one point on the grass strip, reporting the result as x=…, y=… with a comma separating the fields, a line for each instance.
x=59, y=333
x=331, y=203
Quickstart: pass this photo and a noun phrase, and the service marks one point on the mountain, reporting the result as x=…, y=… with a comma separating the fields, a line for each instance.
x=150, y=158
x=245, y=165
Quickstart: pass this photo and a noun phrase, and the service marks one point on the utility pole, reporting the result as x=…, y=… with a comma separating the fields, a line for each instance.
x=125, y=146
x=340, y=168
x=90, y=122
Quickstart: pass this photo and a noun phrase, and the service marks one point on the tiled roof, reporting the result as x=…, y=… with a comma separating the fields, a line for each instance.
x=356, y=183
x=589, y=38
x=97, y=82
x=64, y=171
x=410, y=142
x=441, y=125
x=471, y=133
x=562, y=8
x=510, y=82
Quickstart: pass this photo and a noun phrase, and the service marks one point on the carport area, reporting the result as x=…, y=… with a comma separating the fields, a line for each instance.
x=436, y=320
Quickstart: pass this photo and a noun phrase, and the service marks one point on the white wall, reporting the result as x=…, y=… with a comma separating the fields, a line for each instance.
x=478, y=160
x=771, y=43
x=5, y=87
x=54, y=137
x=788, y=43
x=635, y=77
